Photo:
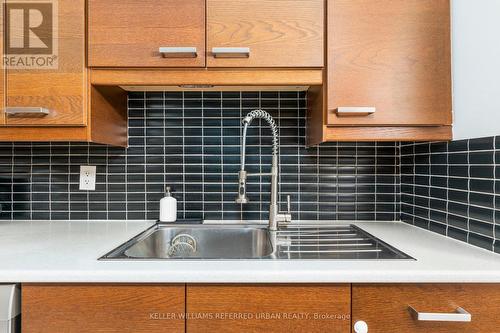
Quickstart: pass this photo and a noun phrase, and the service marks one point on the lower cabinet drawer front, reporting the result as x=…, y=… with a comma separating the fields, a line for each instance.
x=386, y=308
x=103, y=308
x=268, y=308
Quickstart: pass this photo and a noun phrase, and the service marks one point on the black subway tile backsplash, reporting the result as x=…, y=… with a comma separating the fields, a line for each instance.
x=464, y=189
x=190, y=141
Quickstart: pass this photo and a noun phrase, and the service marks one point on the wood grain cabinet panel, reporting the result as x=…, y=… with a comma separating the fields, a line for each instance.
x=393, y=55
x=385, y=307
x=129, y=33
x=279, y=33
x=268, y=308
x=102, y=308
x=62, y=88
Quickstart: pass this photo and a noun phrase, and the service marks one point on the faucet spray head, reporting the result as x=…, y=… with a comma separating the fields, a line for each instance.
x=242, y=191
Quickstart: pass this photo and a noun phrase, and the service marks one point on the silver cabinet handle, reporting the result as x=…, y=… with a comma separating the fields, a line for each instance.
x=460, y=315
x=14, y=111
x=178, y=52
x=355, y=111
x=231, y=52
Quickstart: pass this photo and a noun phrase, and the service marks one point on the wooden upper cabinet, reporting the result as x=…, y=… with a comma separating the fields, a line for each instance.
x=391, y=55
x=56, y=81
x=386, y=308
x=130, y=33
x=278, y=33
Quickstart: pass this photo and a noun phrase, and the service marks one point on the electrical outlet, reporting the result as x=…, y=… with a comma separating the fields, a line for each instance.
x=87, y=177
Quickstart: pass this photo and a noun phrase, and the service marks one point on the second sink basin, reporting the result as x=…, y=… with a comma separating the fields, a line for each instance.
x=197, y=242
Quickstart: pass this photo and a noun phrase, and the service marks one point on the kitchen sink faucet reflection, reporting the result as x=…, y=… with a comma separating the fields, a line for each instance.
x=275, y=217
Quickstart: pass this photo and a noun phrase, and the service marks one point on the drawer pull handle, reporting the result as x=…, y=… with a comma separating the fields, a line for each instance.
x=460, y=315
x=355, y=111
x=29, y=112
x=178, y=52
x=231, y=52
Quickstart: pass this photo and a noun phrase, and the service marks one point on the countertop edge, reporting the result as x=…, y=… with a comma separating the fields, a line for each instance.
x=44, y=262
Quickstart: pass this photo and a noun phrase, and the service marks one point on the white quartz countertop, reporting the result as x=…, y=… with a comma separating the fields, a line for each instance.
x=64, y=251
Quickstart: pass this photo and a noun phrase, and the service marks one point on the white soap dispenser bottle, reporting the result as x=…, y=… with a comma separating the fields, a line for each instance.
x=168, y=207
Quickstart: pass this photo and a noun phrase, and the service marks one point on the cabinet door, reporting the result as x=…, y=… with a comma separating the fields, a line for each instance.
x=385, y=308
x=102, y=308
x=130, y=33
x=268, y=308
x=51, y=88
x=391, y=55
x=277, y=33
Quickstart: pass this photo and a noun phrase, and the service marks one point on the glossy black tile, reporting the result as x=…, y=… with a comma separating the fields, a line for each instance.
x=459, y=145
x=482, y=228
x=483, y=214
x=463, y=193
x=479, y=171
x=481, y=199
x=458, y=158
x=458, y=234
x=190, y=140
x=439, y=228
x=482, y=143
x=482, y=157
x=481, y=241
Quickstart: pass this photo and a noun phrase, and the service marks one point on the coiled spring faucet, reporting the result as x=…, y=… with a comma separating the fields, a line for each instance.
x=275, y=217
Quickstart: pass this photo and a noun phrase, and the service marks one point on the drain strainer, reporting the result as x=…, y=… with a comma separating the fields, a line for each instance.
x=182, y=245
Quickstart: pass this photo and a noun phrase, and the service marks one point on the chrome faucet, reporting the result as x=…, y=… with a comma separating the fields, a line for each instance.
x=275, y=217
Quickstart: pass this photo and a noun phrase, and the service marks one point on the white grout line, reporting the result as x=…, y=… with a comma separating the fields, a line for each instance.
x=496, y=214
x=164, y=167
x=12, y=182
x=107, y=177
x=31, y=181
x=376, y=175
x=203, y=159
x=50, y=180
x=260, y=155
x=184, y=157
x=222, y=159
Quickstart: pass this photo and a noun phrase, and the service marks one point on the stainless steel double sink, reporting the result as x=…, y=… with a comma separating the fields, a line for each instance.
x=231, y=242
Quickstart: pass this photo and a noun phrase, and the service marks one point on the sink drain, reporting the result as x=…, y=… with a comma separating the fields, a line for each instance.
x=182, y=245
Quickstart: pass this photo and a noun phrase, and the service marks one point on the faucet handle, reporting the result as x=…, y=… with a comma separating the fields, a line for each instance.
x=287, y=217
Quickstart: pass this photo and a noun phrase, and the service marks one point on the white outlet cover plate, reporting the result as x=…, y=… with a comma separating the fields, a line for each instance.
x=87, y=177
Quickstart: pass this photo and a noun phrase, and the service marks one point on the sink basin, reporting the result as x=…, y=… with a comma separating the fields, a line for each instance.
x=233, y=242
x=197, y=242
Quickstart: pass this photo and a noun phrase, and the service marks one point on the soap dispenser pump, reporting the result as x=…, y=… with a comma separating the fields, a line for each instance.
x=168, y=207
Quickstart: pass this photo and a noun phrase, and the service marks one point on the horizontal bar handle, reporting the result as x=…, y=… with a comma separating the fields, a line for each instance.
x=460, y=315
x=14, y=111
x=355, y=111
x=178, y=52
x=231, y=52
x=259, y=174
